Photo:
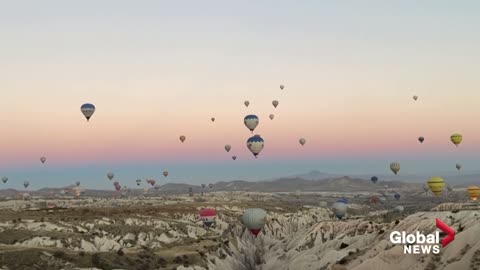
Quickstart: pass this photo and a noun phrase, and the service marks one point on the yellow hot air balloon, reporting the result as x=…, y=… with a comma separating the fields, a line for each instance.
x=436, y=185
x=456, y=139
x=473, y=191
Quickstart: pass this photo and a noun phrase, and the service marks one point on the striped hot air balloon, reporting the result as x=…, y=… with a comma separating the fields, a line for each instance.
x=254, y=219
x=208, y=215
x=255, y=144
x=473, y=191
x=456, y=138
x=436, y=185
x=251, y=121
x=395, y=167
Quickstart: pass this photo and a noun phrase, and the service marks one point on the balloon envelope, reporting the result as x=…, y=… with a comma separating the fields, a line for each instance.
x=43, y=159
x=339, y=209
x=110, y=175
x=228, y=147
x=436, y=184
x=302, y=141
x=421, y=139
x=374, y=179
x=165, y=173
x=473, y=191
x=282, y=86
x=251, y=121
x=254, y=219
x=456, y=139
x=182, y=138
x=246, y=103
x=395, y=167
x=4, y=179
x=255, y=144
x=397, y=196
x=207, y=216
x=458, y=166
x=275, y=103
x=87, y=109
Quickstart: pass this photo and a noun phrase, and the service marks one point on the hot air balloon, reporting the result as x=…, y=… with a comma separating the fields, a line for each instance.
x=458, y=166
x=339, y=208
x=110, y=175
x=210, y=185
x=436, y=184
x=425, y=188
x=449, y=188
x=343, y=200
x=203, y=186
x=473, y=191
x=151, y=182
x=182, y=138
x=117, y=186
x=456, y=139
x=415, y=98
x=397, y=196
x=399, y=209
x=87, y=109
x=271, y=116
x=26, y=184
x=228, y=147
x=374, y=179
x=275, y=103
x=43, y=159
x=190, y=192
x=213, y=119
x=255, y=145
x=165, y=173
x=77, y=183
x=251, y=121
x=282, y=86
x=139, y=181
x=234, y=157
x=4, y=179
x=246, y=103
x=421, y=139
x=254, y=219
x=207, y=216
x=395, y=167
x=157, y=187
x=374, y=199
x=302, y=141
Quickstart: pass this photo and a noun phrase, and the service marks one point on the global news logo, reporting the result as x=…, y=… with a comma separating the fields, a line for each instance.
x=419, y=243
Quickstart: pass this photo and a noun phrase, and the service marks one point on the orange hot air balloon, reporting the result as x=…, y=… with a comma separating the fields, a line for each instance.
x=473, y=191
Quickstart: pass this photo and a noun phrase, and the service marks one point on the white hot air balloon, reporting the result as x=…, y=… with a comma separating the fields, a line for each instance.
x=251, y=121
x=110, y=175
x=255, y=144
x=254, y=219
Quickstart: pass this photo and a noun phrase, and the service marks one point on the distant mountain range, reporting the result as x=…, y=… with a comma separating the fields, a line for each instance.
x=313, y=181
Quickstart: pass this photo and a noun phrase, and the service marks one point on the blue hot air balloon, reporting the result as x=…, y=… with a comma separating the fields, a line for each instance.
x=255, y=145
x=251, y=121
x=87, y=110
x=374, y=179
x=343, y=200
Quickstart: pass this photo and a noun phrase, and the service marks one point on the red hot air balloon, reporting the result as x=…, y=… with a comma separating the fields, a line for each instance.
x=208, y=215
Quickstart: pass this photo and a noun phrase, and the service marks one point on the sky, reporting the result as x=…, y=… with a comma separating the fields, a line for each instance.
x=156, y=70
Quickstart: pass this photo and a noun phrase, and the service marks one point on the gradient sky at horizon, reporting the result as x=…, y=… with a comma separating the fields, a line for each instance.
x=158, y=69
